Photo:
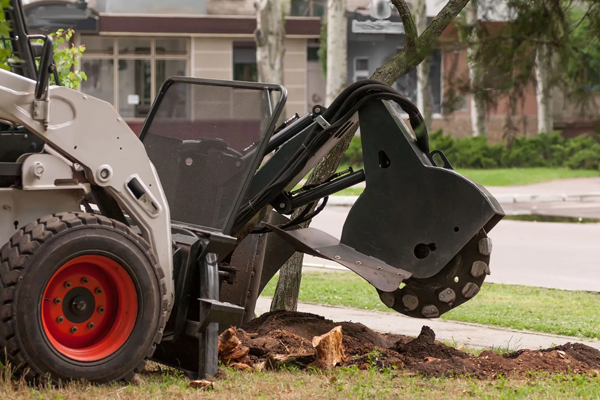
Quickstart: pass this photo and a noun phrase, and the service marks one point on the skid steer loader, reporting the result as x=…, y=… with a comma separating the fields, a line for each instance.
x=116, y=248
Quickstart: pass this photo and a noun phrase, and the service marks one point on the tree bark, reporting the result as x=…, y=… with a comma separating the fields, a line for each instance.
x=413, y=53
x=423, y=85
x=475, y=71
x=543, y=65
x=337, y=49
x=270, y=41
x=290, y=274
x=288, y=285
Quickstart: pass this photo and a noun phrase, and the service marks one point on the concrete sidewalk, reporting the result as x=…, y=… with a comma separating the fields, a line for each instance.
x=472, y=335
x=571, y=190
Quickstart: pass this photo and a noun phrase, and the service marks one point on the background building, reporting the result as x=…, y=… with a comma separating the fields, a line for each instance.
x=133, y=46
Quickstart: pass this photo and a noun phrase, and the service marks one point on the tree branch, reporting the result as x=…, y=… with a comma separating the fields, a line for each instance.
x=407, y=59
x=442, y=20
x=410, y=29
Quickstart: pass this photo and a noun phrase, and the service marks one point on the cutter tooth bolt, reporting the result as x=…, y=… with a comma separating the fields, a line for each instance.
x=447, y=296
x=430, y=311
x=67, y=284
x=98, y=290
x=470, y=290
x=101, y=309
x=479, y=269
x=387, y=298
x=73, y=329
x=410, y=302
x=485, y=246
x=84, y=281
x=60, y=320
x=57, y=300
x=91, y=325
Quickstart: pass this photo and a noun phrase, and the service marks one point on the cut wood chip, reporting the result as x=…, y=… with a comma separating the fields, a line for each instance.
x=277, y=361
x=231, y=348
x=241, y=366
x=201, y=384
x=329, y=348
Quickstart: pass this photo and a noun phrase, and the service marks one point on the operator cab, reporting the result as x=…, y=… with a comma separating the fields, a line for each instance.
x=205, y=139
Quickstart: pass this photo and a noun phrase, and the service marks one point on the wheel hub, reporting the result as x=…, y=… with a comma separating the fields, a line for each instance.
x=89, y=308
x=78, y=305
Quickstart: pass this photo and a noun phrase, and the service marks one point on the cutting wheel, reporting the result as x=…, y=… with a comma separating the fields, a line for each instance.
x=457, y=283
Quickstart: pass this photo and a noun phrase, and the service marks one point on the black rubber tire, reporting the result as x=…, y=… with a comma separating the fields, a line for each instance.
x=30, y=259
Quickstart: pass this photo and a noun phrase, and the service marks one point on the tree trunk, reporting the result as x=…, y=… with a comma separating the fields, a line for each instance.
x=288, y=285
x=475, y=72
x=290, y=274
x=270, y=41
x=416, y=49
x=423, y=85
x=337, y=49
x=543, y=61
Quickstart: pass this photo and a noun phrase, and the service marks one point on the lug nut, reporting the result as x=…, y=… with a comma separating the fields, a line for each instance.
x=67, y=284
x=84, y=281
x=57, y=300
x=60, y=320
x=74, y=329
x=91, y=325
x=98, y=290
x=100, y=309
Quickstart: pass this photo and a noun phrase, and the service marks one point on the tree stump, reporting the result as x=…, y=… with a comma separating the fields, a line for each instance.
x=329, y=349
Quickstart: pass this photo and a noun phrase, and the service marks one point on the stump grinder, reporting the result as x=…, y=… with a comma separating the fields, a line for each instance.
x=118, y=248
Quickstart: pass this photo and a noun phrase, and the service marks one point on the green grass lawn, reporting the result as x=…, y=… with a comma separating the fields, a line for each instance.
x=523, y=176
x=554, y=311
x=508, y=177
x=339, y=383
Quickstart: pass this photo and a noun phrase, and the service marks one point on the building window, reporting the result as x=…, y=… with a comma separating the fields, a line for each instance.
x=244, y=62
x=361, y=68
x=407, y=84
x=128, y=71
x=308, y=8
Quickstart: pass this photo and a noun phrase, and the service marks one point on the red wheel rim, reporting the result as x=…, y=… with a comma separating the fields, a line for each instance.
x=89, y=308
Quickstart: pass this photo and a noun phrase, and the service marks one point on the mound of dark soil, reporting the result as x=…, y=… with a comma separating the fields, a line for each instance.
x=287, y=337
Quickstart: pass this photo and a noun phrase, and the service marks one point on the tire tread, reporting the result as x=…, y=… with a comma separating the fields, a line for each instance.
x=25, y=243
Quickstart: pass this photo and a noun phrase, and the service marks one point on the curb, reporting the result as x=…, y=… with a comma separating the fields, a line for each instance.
x=346, y=201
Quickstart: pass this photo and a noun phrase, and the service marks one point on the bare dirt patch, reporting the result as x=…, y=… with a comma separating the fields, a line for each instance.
x=285, y=339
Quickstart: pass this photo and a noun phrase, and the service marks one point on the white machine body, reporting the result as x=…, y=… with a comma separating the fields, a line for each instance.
x=86, y=142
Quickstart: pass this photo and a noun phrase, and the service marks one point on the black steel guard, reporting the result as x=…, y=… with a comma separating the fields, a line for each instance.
x=413, y=214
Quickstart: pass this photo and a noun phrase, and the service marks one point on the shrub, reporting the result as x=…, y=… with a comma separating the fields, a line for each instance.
x=543, y=150
x=353, y=156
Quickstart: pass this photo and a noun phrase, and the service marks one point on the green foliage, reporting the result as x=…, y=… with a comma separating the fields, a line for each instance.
x=353, y=156
x=543, y=150
x=569, y=31
x=4, y=32
x=4, y=29
x=67, y=60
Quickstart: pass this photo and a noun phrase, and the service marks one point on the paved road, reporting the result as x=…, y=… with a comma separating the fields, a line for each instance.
x=555, y=255
x=472, y=335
